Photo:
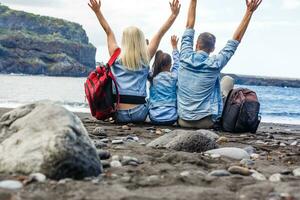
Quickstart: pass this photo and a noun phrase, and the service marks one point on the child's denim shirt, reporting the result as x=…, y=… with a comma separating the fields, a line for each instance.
x=163, y=88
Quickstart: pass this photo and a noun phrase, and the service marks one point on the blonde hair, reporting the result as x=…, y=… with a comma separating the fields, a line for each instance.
x=134, y=49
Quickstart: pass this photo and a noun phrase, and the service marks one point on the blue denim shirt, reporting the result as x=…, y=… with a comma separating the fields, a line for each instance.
x=163, y=93
x=131, y=82
x=199, y=90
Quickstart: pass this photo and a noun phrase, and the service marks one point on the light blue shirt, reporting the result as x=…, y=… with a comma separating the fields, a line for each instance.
x=131, y=82
x=199, y=90
x=163, y=94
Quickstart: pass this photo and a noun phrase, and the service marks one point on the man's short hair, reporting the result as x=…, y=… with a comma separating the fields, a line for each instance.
x=207, y=41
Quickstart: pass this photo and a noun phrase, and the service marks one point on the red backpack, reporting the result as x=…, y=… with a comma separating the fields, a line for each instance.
x=99, y=92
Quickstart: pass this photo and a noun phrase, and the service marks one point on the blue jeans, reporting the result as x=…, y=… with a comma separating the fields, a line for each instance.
x=166, y=123
x=134, y=115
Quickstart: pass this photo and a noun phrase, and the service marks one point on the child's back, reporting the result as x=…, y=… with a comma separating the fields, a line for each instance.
x=163, y=97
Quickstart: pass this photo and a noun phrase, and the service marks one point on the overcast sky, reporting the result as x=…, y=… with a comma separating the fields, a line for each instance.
x=270, y=46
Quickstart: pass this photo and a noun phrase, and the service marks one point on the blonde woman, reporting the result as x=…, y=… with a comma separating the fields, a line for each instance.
x=132, y=68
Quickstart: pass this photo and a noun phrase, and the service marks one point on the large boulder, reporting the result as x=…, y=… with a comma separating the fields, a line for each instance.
x=46, y=138
x=187, y=141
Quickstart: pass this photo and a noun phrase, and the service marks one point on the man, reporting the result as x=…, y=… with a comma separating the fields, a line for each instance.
x=200, y=92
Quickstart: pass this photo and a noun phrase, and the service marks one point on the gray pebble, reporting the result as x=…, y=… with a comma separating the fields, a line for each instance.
x=117, y=142
x=219, y=173
x=250, y=150
x=99, y=131
x=115, y=163
x=11, y=184
x=230, y=152
x=127, y=160
x=257, y=176
x=39, y=177
x=99, y=144
x=294, y=143
x=296, y=172
x=275, y=178
x=103, y=155
x=247, y=162
x=105, y=140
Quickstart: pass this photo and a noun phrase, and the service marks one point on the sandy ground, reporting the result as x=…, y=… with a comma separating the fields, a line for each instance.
x=165, y=174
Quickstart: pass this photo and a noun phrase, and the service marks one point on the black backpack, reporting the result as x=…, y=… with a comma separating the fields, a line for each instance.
x=241, y=111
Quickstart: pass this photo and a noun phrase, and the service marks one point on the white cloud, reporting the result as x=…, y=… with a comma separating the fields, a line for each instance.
x=291, y=4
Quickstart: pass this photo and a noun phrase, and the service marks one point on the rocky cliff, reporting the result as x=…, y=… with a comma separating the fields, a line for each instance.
x=33, y=44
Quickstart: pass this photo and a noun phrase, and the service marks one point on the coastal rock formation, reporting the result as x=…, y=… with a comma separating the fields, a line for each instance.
x=33, y=44
x=187, y=141
x=46, y=138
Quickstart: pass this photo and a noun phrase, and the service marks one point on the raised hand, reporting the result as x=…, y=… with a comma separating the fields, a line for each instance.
x=252, y=5
x=174, y=41
x=95, y=6
x=175, y=7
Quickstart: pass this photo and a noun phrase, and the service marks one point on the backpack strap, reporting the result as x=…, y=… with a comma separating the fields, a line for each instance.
x=114, y=57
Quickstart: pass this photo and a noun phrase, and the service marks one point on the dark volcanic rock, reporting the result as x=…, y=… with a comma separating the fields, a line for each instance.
x=33, y=44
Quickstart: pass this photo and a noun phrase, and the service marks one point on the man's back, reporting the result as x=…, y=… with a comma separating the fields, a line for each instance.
x=199, y=93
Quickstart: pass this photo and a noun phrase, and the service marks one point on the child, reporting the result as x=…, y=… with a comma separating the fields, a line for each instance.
x=163, y=86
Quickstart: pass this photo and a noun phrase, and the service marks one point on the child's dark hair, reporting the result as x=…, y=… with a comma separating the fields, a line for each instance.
x=161, y=60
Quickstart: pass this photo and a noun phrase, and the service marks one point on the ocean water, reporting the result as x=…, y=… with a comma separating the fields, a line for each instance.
x=278, y=105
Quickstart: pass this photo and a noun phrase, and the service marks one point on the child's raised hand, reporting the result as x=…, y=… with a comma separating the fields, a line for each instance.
x=95, y=6
x=174, y=41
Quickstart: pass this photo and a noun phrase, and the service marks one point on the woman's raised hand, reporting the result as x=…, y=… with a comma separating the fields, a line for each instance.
x=95, y=6
x=175, y=7
x=252, y=5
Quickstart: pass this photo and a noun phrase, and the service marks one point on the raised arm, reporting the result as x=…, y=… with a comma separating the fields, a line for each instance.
x=111, y=40
x=191, y=15
x=154, y=43
x=175, y=54
x=252, y=5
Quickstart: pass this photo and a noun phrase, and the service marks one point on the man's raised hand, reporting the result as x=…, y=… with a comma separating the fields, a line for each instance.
x=252, y=5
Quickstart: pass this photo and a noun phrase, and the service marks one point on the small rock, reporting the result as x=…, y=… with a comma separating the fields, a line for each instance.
x=230, y=152
x=151, y=128
x=105, y=164
x=294, y=143
x=259, y=142
x=166, y=130
x=116, y=157
x=158, y=132
x=39, y=177
x=153, y=178
x=185, y=173
x=103, y=155
x=239, y=170
x=127, y=160
x=126, y=179
x=247, y=162
x=133, y=138
x=270, y=136
x=222, y=140
x=275, y=178
x=117, y=142
x=115, y=163
x=96, y=181
x=11, y=184
x=257, y=176
x=254, y=156
x=105, y=140
x=296, y=172
x=219, y=173
x=64, y=181
x=126, y=128
x=282, y=144
x=250, y=149
x=100, y=132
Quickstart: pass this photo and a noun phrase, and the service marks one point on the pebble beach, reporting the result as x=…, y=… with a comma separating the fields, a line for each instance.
x=270, y=168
